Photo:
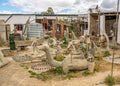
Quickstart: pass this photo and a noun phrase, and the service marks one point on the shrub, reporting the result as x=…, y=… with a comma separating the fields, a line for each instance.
x=59, y=57
x=50, y=41
x=32, y=73
x=109, y=80
x=59, y=70
x=32, y=76
x=86, y=73
x=106, y=53
x=42, y=76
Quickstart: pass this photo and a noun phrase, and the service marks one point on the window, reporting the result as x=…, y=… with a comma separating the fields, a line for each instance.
x=49, y=24
x=18, y=27
x=39, y=21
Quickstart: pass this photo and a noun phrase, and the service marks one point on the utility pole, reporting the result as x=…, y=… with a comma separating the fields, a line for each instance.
x=115, y=36
x=98, y=20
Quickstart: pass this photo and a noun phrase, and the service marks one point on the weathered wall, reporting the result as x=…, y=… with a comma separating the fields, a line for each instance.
x=109, y=22
x=2, y=31
x=102, y=24
x=118, y=33
x=94, y=24
x=17, y=19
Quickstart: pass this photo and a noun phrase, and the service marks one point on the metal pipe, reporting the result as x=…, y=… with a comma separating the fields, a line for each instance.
x=117, y=16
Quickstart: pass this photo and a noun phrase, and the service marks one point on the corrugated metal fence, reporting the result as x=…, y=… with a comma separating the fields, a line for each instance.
x=35, y=30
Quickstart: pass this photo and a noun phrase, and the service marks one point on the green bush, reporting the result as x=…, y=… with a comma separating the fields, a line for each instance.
x=109, y=80
x=51, y=41
x=86, y=73
x=42, y=76
x=59, y=57
x=106, y=53
x=59, y=70
x=32, y=76
x=32, y=73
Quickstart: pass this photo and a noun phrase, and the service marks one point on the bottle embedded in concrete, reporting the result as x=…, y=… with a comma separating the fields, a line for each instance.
x=12, y=42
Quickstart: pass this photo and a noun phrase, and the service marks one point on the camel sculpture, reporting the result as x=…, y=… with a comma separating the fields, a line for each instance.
x=70, y=62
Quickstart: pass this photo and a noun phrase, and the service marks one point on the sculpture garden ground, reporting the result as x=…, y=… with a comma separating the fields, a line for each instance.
x=28, y=68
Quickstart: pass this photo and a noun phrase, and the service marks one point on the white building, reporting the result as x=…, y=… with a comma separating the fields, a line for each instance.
x=17, y=20
x=20, y=19
x=104, y=23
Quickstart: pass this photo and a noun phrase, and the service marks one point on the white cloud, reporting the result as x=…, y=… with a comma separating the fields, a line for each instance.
x=82, y=6
x=59, y=6
x=41, y=5
x=38, y=6
x=9, y=12
x=109, y=6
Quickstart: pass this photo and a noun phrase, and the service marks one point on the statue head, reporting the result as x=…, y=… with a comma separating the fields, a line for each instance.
x=44, y=47
x=90, y=58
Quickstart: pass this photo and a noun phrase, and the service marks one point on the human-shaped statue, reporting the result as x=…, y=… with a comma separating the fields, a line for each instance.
x=102, y=40
x=34, y=46
x=111, y=34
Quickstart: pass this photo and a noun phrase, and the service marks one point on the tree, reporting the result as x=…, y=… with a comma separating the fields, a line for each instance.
x=44, y=13
x=90, y=10
x=48, y=12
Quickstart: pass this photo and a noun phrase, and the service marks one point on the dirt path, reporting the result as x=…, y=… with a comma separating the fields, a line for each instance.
x=14, y=75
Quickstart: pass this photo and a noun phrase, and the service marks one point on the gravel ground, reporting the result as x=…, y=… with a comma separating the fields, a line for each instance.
x=15, y=75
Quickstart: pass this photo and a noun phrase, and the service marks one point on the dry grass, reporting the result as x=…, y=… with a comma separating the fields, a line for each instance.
x=117, y=79
x=105, y=66
x=2, y=43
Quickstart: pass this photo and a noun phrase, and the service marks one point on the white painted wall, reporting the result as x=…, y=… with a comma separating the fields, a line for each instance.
x=118, y=33
x=54, y=17
x=4, y=17
x=88, y=23
x=17, y=19
x=2, y=32
x=48, y=17
x=102, y=24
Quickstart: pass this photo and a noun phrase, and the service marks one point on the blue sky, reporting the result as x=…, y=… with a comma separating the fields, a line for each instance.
x=59, y=6
x=6, y=7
